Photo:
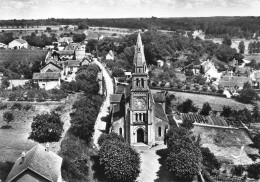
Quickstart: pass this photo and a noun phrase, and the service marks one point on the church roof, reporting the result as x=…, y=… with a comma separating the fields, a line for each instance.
x=159, y=112
x=117, y=112
x=115, y=98
x=139, y=58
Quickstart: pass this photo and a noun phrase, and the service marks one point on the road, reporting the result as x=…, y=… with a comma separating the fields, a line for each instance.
x=100, y=125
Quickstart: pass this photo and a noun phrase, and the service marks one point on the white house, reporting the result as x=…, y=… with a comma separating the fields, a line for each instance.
x=110, y=55
x=3, y=46
x=48, y=80
x=160, y=63
x=70, y=69
x=18, y=43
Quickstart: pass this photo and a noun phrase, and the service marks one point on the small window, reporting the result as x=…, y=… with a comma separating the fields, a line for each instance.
x=159, y=131
x=120, y=131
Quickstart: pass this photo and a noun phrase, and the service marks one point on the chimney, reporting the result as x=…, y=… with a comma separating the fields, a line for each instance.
x=47, y=147
x=23, y=157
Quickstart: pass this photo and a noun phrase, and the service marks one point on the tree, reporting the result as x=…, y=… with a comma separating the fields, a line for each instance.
x=241, y=47
x=120, y=161
x=188, y=124
x=46, y=127
x=187, y=106
x=247, y=94
x=83, y=25
x=8, y=117
x=118, y=72
x=209, y=160
x=184, y=157
x=256, y=140
x=79, y=37
x=227, y=40
x=226, y=111
x=256, y=112
x=205, y=109
x=111, y=137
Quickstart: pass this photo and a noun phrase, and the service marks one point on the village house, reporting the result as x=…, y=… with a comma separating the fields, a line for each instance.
x=51, y=67
x=110, y=55
x=38, y=164
x=3, y=46
x=66, y=54
x=48, y=80
x=18, y=44
x=65, y=40
x=160, y=63
x=233, y=81
x=70, y=67
x=210, y=71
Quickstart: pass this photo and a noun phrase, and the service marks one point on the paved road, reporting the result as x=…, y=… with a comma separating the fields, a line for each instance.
x=104, y=110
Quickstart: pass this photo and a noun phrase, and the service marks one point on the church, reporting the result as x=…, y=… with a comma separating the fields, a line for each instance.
x=137, y=114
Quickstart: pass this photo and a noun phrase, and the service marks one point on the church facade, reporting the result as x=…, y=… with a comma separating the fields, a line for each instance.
x=135, y=114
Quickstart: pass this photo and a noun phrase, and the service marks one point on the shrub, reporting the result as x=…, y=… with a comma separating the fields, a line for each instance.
x=197, y=87
x=256, y=140
x=209, y=160
x=58, y=108
x=3, y=106
x=27, y=107
x=238, y=170
x=118, y=72
x=205, y=109
x=163, y=83
x=213, y=88
x=154, y=84
x=188, y=86
x=46, y=127
x=8, y=116
x=16, y=106
x=179, y=85
x=205, y=88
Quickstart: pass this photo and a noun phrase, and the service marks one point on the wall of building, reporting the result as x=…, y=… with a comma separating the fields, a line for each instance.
x=159, y=135
x=17, y=82
x=48, y=85
x=18, y=45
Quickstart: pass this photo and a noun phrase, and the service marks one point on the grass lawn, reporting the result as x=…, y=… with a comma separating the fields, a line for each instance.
x=224, y=142
x=14, y=141
x=216, y=103
x=252, y=56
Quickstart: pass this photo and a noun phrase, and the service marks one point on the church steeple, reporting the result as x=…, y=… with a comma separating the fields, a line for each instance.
x=139, y=58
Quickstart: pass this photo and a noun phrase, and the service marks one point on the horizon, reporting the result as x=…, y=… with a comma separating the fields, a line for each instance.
x=107, y=9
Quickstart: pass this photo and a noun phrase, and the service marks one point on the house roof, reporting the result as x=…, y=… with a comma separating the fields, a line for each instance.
x=232, y=81
x=52, y=64
x=115, y=98
x=46, y=76
x=66, y=52
x=21, y=41
x=118, y=112
x=159, y=112
x=65, y=39
x=110, y=53
x=73, y=63
x=45, y=163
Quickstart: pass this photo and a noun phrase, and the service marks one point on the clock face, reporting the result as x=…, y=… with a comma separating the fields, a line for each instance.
x=139, y=103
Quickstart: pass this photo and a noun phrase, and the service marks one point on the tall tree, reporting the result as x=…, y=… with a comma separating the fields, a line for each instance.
x=241, y=47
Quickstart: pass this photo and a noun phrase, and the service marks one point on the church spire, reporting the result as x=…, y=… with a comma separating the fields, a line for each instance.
x=139, y=59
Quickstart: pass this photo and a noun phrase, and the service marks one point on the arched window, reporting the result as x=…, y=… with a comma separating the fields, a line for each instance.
x=120, y=131
x=143, y=117
x=140, y=116
x=137, y=82
x=159, y=131
x=139, y=70
x=136, y=117
x=142, y=82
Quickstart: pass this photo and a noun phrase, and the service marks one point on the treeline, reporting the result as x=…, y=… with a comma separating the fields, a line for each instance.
x=213, y=26
x=163, y=46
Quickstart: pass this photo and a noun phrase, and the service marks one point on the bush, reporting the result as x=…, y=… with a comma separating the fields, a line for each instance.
x=16, y=106
x=118, y=72
x=209, y=160
x=197, y=87
x=238, y=170
x=154, y=84
x=179, y=85
x=256, y=140
x=8, y=116
x=213, y=88
x=27, y=107
x=46, y=127
x=163, y=83
x=3, y=106
x=188, y=86
x=205, y=88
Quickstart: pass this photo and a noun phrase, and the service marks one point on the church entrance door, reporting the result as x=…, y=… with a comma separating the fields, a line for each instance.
x=140, y=135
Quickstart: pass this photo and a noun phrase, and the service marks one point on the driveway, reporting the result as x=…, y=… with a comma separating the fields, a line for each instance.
x=100, y=125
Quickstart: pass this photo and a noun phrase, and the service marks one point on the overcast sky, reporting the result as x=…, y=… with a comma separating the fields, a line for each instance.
x=35, y=9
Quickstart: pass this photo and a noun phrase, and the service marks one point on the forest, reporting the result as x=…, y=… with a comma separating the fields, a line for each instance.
x=240, y=27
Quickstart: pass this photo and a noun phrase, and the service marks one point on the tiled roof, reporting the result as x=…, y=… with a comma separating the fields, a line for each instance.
x=115, y=98
x=46, y=76
x=66, y=52
x=159, y=112
x=110, y=53
x=232, y=81
x=52, y=64
x=45, y=163
x=73, y=63
x=118, y=112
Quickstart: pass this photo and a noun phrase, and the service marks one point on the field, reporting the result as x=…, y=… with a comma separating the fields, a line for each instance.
x=224, y=142
x=252, y=56
x=15, y=140
x=216, y=103
x=22, y=55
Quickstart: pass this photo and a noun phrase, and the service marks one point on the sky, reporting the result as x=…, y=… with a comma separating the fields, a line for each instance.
x=36, y=9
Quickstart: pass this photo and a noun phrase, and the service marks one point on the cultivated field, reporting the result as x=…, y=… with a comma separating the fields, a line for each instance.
x=226, y=142
x=216, y=103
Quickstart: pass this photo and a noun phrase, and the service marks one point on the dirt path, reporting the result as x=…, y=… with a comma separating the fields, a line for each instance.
x=150, y=164
x=100, y=125
x=65, y=117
